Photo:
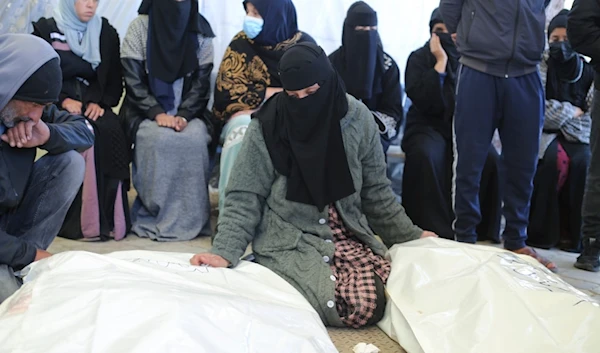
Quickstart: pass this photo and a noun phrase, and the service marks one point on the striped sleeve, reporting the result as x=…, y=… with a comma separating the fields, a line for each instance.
x=557, y=113
x=579, y=129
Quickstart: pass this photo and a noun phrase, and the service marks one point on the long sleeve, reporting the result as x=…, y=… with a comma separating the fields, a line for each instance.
x=579, y=129
x=195, y=101
x=451, y=11
x=557, y=113
x=584, y=27
x=245, y=197
x=385, y=214
x=235, y=89
x=67, y=132
x=423, y=86
x=137, y=88
x=15, y=252
x=114, y=83
x=134, y=70
x=389, y=107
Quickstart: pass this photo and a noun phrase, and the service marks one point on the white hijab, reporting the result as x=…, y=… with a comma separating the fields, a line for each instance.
x=68, y=23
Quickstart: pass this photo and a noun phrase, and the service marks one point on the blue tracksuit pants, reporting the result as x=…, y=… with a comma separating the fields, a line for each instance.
x=514, y=106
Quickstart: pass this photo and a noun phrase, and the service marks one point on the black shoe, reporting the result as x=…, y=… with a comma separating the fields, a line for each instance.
x=589, y=260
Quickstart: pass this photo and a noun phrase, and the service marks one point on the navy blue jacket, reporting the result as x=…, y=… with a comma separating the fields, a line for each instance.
x=503, y=38
x=67, y=132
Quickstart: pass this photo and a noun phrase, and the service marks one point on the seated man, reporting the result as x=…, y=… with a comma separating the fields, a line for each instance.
x=559, y=182
x=431, y=75
x=308, y=189
x=370, y=74
x=34, y=197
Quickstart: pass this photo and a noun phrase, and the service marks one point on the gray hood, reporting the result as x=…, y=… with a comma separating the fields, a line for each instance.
x=20, y=56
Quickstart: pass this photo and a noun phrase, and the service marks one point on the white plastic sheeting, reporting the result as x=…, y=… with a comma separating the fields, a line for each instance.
x=149, y=302
x=457, y=298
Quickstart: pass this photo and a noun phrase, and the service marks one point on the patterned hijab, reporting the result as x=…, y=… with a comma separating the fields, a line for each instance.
x=68, y=23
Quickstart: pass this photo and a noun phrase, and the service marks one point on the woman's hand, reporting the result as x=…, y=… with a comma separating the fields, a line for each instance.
x=165, y=120
x=435, y=46
x=72, y=106
x=181, y=123
x=209, y=259
x=93, y=111
x=427, y=234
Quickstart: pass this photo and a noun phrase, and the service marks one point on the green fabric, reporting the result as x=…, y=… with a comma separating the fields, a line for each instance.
x=292, y=239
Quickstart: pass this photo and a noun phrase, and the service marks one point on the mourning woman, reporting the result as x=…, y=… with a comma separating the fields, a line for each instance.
x=92, y=85
x=248, y=73
x=369, y=73
x=167, y=58
x=309, y=192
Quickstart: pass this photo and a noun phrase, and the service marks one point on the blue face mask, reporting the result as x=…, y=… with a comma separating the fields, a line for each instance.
x=253, y=26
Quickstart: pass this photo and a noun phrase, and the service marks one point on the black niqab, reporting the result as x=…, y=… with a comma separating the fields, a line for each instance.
x=172, y=37
x=565, y=79
x=304, y=136
x=361, y=60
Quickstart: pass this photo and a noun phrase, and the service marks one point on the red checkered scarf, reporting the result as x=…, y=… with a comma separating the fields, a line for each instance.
x=354, y=267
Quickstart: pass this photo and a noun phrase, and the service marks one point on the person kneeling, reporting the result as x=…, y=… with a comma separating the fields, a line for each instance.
x=308, y=189
x=34, y=197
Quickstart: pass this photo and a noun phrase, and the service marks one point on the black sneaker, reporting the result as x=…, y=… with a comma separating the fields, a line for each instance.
x=589, y=260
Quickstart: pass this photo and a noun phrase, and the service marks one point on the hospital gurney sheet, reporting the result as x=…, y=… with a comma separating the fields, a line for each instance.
x=450, y=297
x=152, y=302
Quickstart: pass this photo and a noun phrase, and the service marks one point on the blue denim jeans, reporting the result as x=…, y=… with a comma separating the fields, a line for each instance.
x=53, y=184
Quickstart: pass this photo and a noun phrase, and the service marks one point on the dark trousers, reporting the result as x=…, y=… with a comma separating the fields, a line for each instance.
x=427, y=186
x=553, y=213
x=514, y=106
x=591, y=199
x=53, y=184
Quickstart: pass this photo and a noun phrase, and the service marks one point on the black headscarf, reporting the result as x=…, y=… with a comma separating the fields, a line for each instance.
x=304, y=136
x=447, y=43
x=436, y=17
x=559, y=21
x=360, y=61
x=281, y=22
x=172, y=43
x=565, y=69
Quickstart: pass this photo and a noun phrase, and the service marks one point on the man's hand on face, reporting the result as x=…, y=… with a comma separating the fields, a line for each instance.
x=27, y=134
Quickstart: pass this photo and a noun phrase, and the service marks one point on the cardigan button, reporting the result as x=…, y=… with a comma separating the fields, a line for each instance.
x=328, y=241
x=326, y=259
x=330, y=304
x=332, y=277
x=322, y=221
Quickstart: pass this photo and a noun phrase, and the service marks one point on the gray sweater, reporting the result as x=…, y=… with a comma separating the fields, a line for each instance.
x=294, y=240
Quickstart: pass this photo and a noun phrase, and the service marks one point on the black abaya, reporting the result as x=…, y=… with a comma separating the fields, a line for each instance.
x=427, y=186
x=553, y=213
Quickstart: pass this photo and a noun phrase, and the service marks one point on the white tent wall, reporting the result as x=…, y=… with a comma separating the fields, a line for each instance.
x=403, y=25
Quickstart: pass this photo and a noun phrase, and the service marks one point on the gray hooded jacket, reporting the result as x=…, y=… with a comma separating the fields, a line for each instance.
x=503, y=38
x=20, y=56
